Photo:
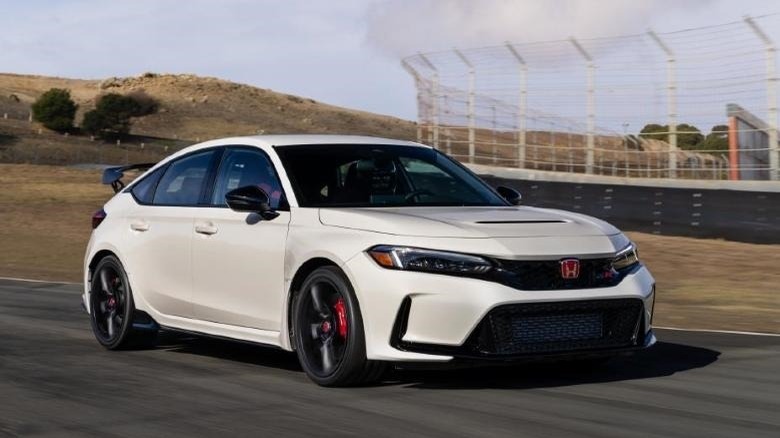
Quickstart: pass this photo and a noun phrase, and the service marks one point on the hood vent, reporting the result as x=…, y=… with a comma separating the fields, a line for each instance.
x=540, y=221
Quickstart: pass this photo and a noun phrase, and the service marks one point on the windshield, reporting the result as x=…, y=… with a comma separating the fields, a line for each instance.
x=381, y=176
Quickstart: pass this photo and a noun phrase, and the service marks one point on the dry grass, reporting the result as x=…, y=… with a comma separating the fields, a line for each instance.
x=193, y=107
x=713, y=284
x=46, y=213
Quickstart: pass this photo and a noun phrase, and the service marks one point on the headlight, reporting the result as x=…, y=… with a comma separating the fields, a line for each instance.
x=428, y=260
x=626, y=257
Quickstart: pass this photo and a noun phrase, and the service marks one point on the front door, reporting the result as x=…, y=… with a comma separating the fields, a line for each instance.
x=238, y=258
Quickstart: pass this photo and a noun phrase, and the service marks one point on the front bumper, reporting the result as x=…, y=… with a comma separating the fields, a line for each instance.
x=411, y=316
x=532, y=331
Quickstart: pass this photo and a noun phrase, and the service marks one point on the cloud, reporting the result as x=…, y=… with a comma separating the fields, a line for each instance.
x=402, y=27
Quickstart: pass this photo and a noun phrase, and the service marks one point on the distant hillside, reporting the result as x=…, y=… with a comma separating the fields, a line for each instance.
x=194, y=107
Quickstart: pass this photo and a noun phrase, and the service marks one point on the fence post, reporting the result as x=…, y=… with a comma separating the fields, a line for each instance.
x=471, y=96
x=521, y=106
x=771, y=96
x=591, y=107
x=418, y=85
x=671, y=100
x=495, y=139
x=553, y=148
x=435, y=96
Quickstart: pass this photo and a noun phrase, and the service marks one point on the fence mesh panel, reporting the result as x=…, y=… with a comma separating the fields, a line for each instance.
x=578, y=105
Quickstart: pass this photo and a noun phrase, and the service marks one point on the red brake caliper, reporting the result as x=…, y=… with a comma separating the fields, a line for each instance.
x=341, y=317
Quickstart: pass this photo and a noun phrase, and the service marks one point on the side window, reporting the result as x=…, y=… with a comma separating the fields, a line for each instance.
x=143, y=190
x=182, y=183
x=246, y=167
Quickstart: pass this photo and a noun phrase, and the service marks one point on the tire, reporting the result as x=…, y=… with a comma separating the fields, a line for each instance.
x=328, y=331
x=112, y=311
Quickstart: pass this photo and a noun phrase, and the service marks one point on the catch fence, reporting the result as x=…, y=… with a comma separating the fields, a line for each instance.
x=578, y=105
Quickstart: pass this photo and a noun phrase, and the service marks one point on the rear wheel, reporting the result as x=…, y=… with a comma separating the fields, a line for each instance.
x=112, y=312
x=328, y=331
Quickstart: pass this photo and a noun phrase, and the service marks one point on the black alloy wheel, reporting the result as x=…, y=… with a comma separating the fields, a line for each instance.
x=328, y=331
x=111, y=308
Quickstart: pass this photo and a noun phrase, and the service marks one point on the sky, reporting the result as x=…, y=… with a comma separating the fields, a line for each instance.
x=343, y=52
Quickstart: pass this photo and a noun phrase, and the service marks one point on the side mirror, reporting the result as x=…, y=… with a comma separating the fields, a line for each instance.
x=512, y=196
x=251, y=199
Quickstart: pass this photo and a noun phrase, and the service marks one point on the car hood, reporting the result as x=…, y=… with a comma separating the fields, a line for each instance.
x=467, y=222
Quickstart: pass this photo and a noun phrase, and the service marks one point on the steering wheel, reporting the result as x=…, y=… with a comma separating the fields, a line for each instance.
x=415, y=193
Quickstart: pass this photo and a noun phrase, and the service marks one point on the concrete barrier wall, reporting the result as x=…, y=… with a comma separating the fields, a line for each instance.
x=740, y=215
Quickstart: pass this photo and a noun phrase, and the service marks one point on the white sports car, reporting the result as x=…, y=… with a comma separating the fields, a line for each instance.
x=355, y=252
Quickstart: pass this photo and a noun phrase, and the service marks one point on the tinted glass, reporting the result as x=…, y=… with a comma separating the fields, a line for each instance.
x=144, y=190
x=246, y=167
x=381, y=176
x=182, y=183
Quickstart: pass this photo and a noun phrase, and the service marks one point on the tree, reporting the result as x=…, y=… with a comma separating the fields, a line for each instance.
x=92, y=123
x=112, y=114
x=655, y=131
x=688, y=136
x=55, y=110
x=717, y=139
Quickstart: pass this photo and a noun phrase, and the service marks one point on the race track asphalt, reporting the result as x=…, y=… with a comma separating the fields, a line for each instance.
x=55, y=380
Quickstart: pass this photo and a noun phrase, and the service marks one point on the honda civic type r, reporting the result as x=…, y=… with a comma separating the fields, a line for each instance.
x=356, y=252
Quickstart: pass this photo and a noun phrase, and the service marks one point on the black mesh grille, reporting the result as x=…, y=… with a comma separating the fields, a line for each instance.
x=546, y=274
x=560, y=327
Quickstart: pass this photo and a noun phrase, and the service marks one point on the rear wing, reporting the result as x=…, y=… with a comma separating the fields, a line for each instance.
x=113, y=175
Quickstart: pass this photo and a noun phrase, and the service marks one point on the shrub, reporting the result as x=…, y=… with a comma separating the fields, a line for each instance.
x=112, y=114
x=55, y=110
x=146, y=103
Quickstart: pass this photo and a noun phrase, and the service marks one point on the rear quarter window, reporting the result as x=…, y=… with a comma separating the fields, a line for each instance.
x=143, y=191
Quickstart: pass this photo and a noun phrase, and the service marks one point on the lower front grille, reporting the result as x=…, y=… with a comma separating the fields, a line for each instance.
x=518, y=329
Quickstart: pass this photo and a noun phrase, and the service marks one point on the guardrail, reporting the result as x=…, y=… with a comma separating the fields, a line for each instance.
x=739, y=212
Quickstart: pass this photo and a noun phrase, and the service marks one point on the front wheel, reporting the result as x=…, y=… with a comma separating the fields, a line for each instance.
x=112, y=312
x=328, y=331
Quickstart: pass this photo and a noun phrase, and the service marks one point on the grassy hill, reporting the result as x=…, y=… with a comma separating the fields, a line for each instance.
x=194, y=107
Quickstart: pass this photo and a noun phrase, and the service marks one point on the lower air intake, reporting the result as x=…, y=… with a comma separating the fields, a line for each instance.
x=560, y=327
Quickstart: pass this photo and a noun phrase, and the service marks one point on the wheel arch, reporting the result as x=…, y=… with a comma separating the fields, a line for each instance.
x=303, y=271
x=100, y=255
x=96, y=258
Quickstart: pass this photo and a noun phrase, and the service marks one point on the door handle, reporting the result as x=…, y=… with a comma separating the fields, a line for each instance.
x=139, y=226
x=206, y=228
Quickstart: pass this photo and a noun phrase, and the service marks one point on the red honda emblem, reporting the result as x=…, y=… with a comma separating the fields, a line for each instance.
x=570, y=269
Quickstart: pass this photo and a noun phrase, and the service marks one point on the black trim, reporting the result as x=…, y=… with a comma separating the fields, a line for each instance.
x=470, y=349
x=218, y=337
x=211, y=176
x=143, y=321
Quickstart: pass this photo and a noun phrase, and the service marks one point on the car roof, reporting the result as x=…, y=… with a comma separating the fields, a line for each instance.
x=269, y=141
x=325, y=139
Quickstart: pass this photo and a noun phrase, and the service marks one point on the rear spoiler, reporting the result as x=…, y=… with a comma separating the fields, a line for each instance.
x=113, y=175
